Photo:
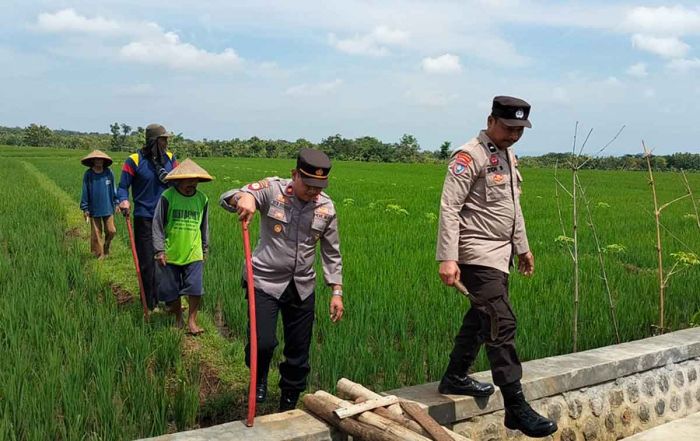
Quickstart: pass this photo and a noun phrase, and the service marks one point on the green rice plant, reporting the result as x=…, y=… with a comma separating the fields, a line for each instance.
x=400, y=319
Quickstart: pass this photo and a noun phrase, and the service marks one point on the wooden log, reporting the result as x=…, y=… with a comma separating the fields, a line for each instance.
x=436, y=431
x=354, y=390
x=360, y=394
x=324, y=410
x=356, y=409
x=376, y=420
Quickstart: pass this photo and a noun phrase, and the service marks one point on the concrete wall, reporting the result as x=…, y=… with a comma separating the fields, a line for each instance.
x=601, y=394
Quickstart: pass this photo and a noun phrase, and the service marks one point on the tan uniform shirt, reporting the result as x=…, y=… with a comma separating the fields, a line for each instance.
x=289, y=230
x=481, y=222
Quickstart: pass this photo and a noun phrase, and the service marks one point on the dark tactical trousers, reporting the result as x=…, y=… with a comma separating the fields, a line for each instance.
x=297, y=321
x=143, y=236
x=489, y=286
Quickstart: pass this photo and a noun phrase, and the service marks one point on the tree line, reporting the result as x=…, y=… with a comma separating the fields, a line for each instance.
x=125, y=138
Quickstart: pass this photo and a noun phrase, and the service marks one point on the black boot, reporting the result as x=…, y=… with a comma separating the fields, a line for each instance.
x=520, y=416
x=288, y=400
x=452, y=384
x=261, y=392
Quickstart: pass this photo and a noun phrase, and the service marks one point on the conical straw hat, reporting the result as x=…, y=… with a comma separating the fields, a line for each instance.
x=189, y=169
x=96, y=154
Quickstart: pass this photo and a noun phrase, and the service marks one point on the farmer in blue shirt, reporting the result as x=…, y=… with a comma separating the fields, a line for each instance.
x=98, y=201
x=145, y=173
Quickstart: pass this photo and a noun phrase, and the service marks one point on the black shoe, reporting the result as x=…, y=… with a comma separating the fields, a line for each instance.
x=452, y=384
x=520, y=416
x=288, y=400
x=260, y=392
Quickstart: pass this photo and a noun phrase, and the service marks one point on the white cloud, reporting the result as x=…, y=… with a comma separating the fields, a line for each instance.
x=684, y=64
x=168, y=50
x=373, y=44
x=649, y=93
x=444, y=64
x=669, y=47
x=314, y=89
x=638, y=70
x=149, y=44
x=663, y=20
x=67, y=20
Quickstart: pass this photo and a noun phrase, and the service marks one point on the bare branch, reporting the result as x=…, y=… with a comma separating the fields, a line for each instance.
x=604, y=147
x=669, y=203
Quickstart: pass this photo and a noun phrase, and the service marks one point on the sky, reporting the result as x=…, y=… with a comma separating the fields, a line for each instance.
x=222, y=69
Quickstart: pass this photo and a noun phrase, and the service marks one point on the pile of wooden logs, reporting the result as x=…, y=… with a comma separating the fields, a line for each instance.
x=372, y=417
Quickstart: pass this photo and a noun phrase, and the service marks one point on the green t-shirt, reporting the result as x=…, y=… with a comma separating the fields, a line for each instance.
x=183, y=234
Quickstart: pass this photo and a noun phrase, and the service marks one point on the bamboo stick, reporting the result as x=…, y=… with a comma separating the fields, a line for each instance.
x=354, y=390
x=355, y=409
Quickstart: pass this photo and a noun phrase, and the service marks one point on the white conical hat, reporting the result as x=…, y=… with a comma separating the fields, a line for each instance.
x=188, y=169
x=96, y=154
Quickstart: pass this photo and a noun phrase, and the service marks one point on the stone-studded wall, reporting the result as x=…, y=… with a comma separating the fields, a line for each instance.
x=608, y=411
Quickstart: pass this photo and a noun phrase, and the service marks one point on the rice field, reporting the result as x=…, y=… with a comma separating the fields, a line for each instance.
x=98, y=367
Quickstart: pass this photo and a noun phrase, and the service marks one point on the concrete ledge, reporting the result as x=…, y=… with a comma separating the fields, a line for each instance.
x=685, y=429
x=555, y=375
x=547, y=377
x=295, y=425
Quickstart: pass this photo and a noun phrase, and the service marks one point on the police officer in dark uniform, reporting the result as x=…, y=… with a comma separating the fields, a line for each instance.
x=295, y=214
x=481, y=230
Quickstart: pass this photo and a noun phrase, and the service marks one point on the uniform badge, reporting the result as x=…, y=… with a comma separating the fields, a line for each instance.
x=457, y=169
x=289, y=190
x=322, y=210
x=277, y=228
x=494, y=159
x=463, y=158
x=498, y=178
x=319, y=172
x=255, y=186
x=519, y=113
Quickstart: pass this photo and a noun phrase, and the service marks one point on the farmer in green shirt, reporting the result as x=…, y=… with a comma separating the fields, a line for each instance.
x=180, y=241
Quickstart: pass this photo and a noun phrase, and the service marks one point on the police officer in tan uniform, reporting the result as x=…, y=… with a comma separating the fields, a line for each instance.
x=481, y=231
x=295, y=214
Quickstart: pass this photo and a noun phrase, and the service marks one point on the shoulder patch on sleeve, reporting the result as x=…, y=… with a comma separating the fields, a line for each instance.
x=135, y=158
x=262, y=184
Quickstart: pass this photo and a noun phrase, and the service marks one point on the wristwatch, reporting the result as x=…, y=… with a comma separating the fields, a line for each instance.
x=338, y=292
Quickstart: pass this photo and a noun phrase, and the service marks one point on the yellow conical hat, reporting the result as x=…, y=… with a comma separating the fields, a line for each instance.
x=96, y=154
x=188, y=169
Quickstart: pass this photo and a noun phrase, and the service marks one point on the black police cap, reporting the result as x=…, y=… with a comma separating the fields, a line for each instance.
x=512, y=111
x=314, y=167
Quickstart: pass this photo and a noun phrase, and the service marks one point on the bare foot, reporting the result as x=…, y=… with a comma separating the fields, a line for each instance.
x=193, y=329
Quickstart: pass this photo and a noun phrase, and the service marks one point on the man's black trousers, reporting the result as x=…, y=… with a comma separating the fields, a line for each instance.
x=489, y=286
x=297, y=321
x=143, y=236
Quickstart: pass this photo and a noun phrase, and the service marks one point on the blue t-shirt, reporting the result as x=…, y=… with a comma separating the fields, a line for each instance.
x=99, y=195
x=141, y=175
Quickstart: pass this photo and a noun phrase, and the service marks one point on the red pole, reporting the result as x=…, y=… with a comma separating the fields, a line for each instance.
x=138, y=269
x=253, y=326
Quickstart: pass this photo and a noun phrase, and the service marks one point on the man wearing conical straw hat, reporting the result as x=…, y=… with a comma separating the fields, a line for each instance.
x=98, y=199
x=181, y=241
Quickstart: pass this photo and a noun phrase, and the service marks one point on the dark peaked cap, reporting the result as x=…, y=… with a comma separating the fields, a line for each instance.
x=512, y=111
x=314, y=167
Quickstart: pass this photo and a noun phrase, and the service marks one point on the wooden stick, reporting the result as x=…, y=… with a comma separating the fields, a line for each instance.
x=324, y=409
x=355, y=409
x=436, y=431
x=376, y=420
x=355, y=390
x=406, y=422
